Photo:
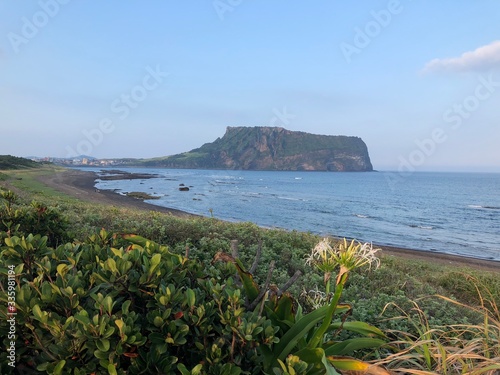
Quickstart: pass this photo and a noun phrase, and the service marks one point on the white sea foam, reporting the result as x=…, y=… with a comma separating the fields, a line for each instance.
x=483, y=207
x=474, y=206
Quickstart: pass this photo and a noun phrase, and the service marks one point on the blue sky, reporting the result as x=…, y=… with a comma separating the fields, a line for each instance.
x=418, y=81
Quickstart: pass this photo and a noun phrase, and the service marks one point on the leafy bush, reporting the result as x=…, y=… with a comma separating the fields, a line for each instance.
x=36, y=218
x=14, y=162
x=139, y=309
x=126, y=305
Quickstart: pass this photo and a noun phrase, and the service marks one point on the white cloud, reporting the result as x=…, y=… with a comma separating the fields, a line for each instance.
x=482, y=58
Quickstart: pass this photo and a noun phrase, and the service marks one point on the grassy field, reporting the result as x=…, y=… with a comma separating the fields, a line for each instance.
x=26, y=183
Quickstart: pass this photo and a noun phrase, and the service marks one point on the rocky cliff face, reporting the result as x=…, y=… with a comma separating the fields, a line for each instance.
x=272, y=148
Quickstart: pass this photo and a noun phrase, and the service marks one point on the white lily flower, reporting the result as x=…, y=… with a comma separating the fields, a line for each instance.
x=348, y=256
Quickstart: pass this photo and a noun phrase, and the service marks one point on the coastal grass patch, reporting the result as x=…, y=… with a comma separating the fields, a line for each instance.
x=470, y=285
x=460, y=348
x=27, y=184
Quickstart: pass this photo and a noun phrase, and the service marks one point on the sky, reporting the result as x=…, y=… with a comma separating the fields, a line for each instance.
x=418, y=81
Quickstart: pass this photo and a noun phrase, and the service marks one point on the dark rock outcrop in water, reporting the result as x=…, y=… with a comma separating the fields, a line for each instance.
x=273, y=148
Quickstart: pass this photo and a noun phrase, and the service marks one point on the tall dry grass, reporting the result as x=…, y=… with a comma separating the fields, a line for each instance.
x=470, y=349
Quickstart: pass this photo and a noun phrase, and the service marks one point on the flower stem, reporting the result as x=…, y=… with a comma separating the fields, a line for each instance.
x=318, y=336
x=327, y=284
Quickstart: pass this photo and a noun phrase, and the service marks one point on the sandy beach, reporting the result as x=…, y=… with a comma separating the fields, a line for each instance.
x=80, y=184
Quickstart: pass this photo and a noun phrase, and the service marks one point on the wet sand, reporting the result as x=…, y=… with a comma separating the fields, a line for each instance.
x=80, y=184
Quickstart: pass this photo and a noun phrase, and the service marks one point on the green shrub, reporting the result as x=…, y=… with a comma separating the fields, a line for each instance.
x=37, y=218
x=138, y=309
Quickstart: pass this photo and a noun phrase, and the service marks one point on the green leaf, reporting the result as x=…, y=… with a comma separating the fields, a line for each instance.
x=136, y=240
x=111, y=265
x=155, y=261
x=125, y=307
x=284, y=308
x=117, y=252
x=82, y=318
x=156, y=338
x=43, y=366
x=59, y=367
x=199, y=345
x=62, y=269
x=108, y=304
x=348, y=364
x=350, y=345
x=19, y=268
x=317, y=357
x=158, y=321
x=46, y=292
x=119, y=323
x=183, y=369
x=37, y=313
x=103, y=234
x=103, y=345
x=283, y=367
x=344, y=363
x=358, y=327
x=112, y=369
x=197, y=369
x=297, y=332
x=250, y=286
x=191, y=297
x=108, y=332
x=100, y=355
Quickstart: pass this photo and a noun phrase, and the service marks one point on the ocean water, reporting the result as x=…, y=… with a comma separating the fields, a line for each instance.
x=455, y=213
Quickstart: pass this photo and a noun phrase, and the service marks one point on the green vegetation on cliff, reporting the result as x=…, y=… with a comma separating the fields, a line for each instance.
x=273, y=148
x=13, y=162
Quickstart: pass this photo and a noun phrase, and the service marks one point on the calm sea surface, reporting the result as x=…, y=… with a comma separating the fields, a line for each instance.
x=456, y=213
